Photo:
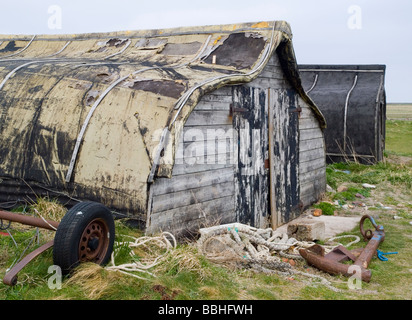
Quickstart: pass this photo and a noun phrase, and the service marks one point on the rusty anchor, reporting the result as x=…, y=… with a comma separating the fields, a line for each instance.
x=332, y=262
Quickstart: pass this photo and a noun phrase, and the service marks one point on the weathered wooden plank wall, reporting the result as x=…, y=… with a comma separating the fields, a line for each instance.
x=312, y=157
x=201, y=190
x=220, y=174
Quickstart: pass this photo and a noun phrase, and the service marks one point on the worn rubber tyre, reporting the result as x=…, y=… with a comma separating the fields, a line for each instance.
x=85, y=234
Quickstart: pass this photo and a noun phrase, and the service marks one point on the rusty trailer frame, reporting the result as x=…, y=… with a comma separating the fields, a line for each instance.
x=11, y=276
x=85, y=234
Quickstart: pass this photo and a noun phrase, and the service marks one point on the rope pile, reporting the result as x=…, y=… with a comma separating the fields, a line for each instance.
x=139, y=265
x=236, y=246
x=257, y=249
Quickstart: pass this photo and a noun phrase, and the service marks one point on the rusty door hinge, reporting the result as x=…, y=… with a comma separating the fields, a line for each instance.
x=298, y=109
x=234, y=109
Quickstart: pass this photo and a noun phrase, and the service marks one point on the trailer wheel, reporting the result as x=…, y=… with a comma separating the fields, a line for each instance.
x=85, y=234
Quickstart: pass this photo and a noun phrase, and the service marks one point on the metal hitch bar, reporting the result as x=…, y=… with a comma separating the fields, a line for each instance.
x=332, y=262
x=11, y=276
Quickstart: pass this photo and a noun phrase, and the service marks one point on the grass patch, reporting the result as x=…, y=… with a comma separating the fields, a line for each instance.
x=327, y=208
x=397, y=175
x=351, y=194
x=399, y=137
x=399, y=111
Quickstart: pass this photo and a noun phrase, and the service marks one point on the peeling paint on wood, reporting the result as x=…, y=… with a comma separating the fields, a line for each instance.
x=251, y=178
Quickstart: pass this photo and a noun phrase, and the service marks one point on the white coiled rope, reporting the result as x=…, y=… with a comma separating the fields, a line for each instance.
x=162, y=241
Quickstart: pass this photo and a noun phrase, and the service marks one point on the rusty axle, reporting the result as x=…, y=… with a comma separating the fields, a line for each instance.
x=31, y=221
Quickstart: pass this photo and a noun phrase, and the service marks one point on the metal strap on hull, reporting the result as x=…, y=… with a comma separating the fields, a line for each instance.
x=18, y=52
x=14, y=71
x=61, y=50
x=97, y=102
x=11, y=73
x=314, y=83
x=341, y=70
x=346, y=112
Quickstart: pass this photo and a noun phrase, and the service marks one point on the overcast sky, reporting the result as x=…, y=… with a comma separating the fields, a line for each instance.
x=324, y=31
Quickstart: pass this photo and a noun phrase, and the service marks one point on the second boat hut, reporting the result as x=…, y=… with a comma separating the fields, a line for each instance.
x=353, y=101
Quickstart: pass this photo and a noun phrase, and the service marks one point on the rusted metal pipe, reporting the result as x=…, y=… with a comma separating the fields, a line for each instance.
x=29, y=220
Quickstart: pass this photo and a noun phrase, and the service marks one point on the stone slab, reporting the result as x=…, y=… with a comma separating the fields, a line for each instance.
x=306, y=230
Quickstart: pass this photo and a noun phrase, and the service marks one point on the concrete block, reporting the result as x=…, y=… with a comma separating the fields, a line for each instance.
x=306, y=230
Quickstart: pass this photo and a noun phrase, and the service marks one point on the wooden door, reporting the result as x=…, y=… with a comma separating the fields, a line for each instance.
x=283, y=131
x=266, y=123
x=250, y=123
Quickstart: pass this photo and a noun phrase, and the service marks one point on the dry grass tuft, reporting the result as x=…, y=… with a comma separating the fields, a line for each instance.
x=95, y=281
x=185, y=258
x=49, y=209
x=211, y=292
